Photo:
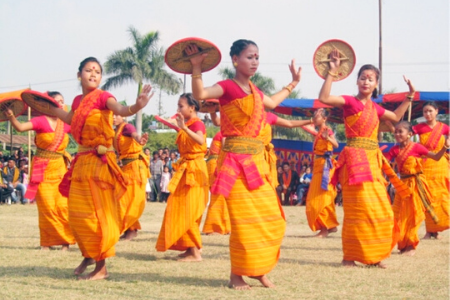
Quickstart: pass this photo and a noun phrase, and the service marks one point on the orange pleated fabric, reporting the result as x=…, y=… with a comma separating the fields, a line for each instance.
x=437, y=175
x=188, y=197
x=217, y=218
x=52, y=207
x=136, y=173
x=368, y=232
x=257, y=219
x=409, y=212
x=97, y=184
x=269, y=154
x=320, y=208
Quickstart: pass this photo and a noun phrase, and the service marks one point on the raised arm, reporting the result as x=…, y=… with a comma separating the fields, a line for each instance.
x=198, y=90
x=330, y=138
x=292, y=123
x=126, y=111
x=324, y=94
x=397, y=114
x=142, y=140
x=275, y=100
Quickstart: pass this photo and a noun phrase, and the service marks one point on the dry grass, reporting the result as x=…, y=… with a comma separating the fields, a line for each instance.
x=308, y=268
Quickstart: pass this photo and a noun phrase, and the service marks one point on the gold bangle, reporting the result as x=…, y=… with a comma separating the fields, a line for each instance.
x=410, y=97
x=311, y=120
x=129, y=110
x=333, y=74
x=288, y=88
x=9, y=115
x=196, y=76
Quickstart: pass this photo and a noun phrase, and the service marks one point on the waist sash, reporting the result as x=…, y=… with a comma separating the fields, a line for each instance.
x=326, y=169
x=239, y=151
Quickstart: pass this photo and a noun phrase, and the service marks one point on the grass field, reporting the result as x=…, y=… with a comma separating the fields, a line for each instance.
x=308, y=268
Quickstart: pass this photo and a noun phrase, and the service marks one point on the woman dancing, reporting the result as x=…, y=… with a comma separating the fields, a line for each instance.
x=368, y=228
x=94, y=183
x=257, y=220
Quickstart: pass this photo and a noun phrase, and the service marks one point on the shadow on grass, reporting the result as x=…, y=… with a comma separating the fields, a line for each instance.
x=136, y=256
x=27, y=247
x=309, y=262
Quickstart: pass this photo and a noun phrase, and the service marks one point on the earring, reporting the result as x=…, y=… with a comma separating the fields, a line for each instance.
x=235, y=64
x=79, y=78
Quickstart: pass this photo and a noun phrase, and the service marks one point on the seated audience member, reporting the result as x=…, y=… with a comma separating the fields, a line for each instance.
x=288, y=181
x=302, y=188
x=15, y=179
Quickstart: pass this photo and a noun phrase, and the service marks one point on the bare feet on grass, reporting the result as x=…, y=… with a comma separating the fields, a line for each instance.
x=191, y=255
x=83, y=265
x=99, y=272
x=332, y=230
x=65, y=247
x=212, y=233
x=322, y=234
x=264, y=281
x=238, y=283
x=380, y=265
x=187, y=252
x=436, y=235
x=427, y=236
x=129, y=235
x=45, y=248
x=348, y=264
x=408, y=251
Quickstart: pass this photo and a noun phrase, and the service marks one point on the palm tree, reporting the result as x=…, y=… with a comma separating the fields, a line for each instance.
x=145, y=60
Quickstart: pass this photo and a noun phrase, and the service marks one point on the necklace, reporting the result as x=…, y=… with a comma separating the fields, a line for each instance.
x=245, y=89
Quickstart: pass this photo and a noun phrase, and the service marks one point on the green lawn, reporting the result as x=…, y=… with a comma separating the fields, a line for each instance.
x=308, y=268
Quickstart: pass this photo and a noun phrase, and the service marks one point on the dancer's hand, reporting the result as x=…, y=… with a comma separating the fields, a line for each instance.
x=144, y=97
x=180, y=121
x=196, y=60
x=296, y=73
x=143, y=140
x=447, y=142
x=325, y=134
x=6, y=110
x=412, y=90
x=335, y=60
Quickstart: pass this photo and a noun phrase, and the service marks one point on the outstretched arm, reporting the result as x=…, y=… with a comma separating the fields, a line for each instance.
x=438, y=155
x=20, y=127
x=397, y=114
x=292, y=123
x=126, y=111
x=142, y=140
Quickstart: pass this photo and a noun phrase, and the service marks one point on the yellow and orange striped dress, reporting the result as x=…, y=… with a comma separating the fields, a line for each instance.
x=135, y=167
x=47, y=171
x=257, y=219
x=96, y=181
x=368, y=227
x=269, y=152
x=217, y=218
x=437, y=174
x=188, y=194
x=409, y=212
x=320, y=208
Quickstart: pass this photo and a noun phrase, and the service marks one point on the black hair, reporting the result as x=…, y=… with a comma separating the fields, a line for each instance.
x=325, y=113
x=432, y=104
x=285, y=164
x=53, y=94
x=191, y=101
x=377, y=72
x=155, y=152
x=239, y=46
x=406, y=125
x=89, y=59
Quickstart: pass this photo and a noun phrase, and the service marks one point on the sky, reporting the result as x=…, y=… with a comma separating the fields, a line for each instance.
x=43, y=42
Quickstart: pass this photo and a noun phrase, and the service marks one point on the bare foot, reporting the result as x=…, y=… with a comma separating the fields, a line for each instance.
x=322, y=234
x=348, y=264
x=436, y=235
x=129, y=235
x=238, y=283
x=83, y=265
x=427, y=236
x=45, y=248
x=408, y=252
x=193, y=255
x=65, y=248
x=264, y=281
x=379, y=265
x=185, y=253
x=332, y=230
x=98, y=273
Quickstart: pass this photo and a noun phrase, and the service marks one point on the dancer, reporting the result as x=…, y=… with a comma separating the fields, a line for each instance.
x=135, y=166
x=188, y=187
x=432, y=135
x=48, y=168
x=257, y=220
x=217, y=219
x=368, y=228
x=94, y=183
x=409, y=212
x=320, y=209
